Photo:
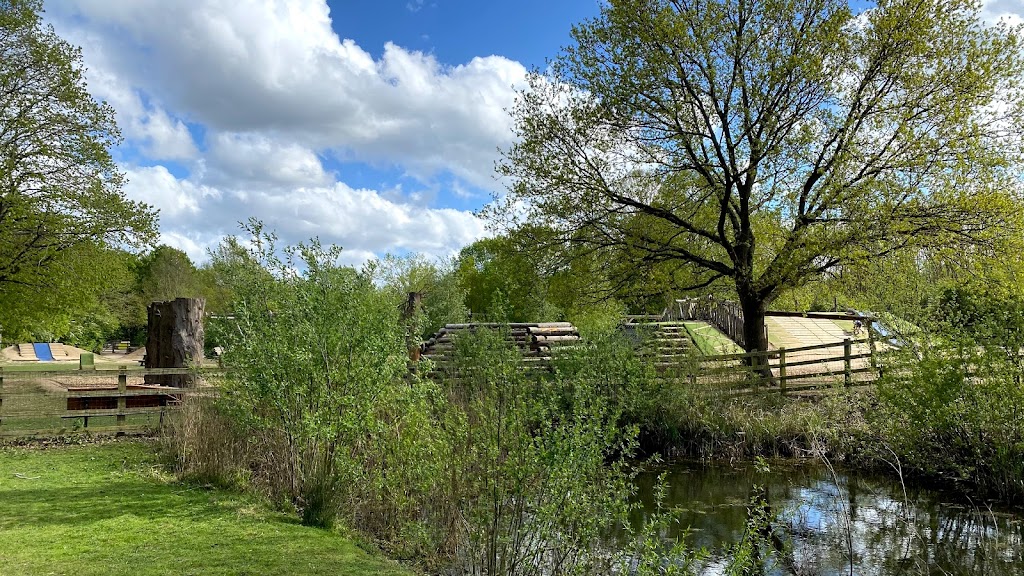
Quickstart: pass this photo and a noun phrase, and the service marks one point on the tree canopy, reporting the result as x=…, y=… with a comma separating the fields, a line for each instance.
x=59, y=186
x=765, y=143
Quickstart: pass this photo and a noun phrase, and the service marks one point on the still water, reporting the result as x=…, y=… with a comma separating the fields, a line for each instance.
x=838, y=522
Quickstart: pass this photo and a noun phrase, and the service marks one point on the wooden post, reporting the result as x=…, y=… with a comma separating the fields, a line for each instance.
x=847, y=352
x=1, y=392
x=122, y=387
x=412, y=338
x=757, y=360
x=782, y=371
x=871, y=343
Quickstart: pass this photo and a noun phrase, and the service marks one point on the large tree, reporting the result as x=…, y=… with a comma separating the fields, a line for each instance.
x=766, y=142
x=59, y=186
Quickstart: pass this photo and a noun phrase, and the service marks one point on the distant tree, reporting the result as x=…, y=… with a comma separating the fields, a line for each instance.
x=86, y=300
x=167, y=273
x=764, y=143
x=442, y=299
x=504, y=281
x=59, y=186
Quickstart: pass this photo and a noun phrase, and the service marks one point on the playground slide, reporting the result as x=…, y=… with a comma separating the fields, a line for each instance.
x=43, y=352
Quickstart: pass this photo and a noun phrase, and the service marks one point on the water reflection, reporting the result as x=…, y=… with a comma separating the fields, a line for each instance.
x=840, y=523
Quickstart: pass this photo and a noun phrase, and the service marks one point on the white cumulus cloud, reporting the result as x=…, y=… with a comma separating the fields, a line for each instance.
x=237, y=105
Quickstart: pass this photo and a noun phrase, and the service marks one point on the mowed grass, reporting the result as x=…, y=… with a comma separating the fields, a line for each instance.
x=113, y=509
x=709, y=340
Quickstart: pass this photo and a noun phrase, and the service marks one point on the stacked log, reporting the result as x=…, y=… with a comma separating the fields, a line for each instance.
x=536, y=341
x=549, y=336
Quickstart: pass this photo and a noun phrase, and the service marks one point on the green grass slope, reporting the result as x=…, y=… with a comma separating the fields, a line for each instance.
x=112, y=509
x=710, y=340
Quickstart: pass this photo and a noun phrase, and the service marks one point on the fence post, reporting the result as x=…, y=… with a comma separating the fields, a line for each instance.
x=122, y=387
x=782, y=371
x=1, y=392
x=847, y=352
x=871, y=344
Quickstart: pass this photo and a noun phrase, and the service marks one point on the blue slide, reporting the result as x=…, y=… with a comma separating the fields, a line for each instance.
x=43, y=352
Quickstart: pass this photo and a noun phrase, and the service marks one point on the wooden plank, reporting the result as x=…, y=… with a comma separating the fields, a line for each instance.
x=833, y=375
x=772, y=353
x=826, y=359
x=110, y=373
x=50, y=432
x=114, y=411
x=89, y=413
x=817, y=315
x=739, y=356
x=110, y=392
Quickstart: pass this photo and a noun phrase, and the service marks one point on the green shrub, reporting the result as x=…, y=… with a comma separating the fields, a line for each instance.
x=538, y=463
x=956, y=414
x=317, y=362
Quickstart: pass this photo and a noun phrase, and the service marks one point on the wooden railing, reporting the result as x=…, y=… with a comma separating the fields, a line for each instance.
x=855, y=363
x=35, y=403
x=723, y=314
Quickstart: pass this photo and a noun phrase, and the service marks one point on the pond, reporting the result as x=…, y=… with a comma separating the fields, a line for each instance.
x=838, y=522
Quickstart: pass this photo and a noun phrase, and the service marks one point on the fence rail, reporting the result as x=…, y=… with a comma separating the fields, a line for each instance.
x=47, y=402
x=858, y=363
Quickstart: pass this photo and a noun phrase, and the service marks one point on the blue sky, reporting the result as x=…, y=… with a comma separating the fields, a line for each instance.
x=373, y=125
x=528, y=31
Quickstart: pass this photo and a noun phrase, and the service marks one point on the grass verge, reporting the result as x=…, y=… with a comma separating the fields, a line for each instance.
x=112, y=509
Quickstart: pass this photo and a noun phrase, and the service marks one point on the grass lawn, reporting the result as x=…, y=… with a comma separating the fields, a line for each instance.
x=112, y=509
x=709, y=340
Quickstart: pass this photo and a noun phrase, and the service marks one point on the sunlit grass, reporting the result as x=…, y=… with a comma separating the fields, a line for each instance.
x=113, y=509
x=709, y=340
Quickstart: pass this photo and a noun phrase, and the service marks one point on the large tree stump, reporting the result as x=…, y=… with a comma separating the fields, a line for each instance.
x=175, y=339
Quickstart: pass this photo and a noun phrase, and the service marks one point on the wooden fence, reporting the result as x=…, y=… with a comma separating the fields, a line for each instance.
x=723, y=314
x=41, y=403
x=848, y=363
x=36, y=403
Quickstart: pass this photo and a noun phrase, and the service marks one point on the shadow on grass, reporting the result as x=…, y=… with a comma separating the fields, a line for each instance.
x=88, y=504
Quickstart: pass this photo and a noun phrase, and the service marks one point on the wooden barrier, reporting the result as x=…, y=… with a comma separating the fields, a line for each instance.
x=712, y=369
x=92, y=394
x=725, y=315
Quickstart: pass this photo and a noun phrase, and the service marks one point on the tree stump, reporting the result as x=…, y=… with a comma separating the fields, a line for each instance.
x=175, y=339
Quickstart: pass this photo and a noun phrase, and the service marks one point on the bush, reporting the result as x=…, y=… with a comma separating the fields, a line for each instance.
x=956, y=414
x=490, y=467
x=538, y=463
x=317, y=363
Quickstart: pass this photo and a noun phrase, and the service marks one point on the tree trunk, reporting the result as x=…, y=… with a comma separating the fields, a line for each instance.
x=412, y=336
x=754, y=337
x=175, y=339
